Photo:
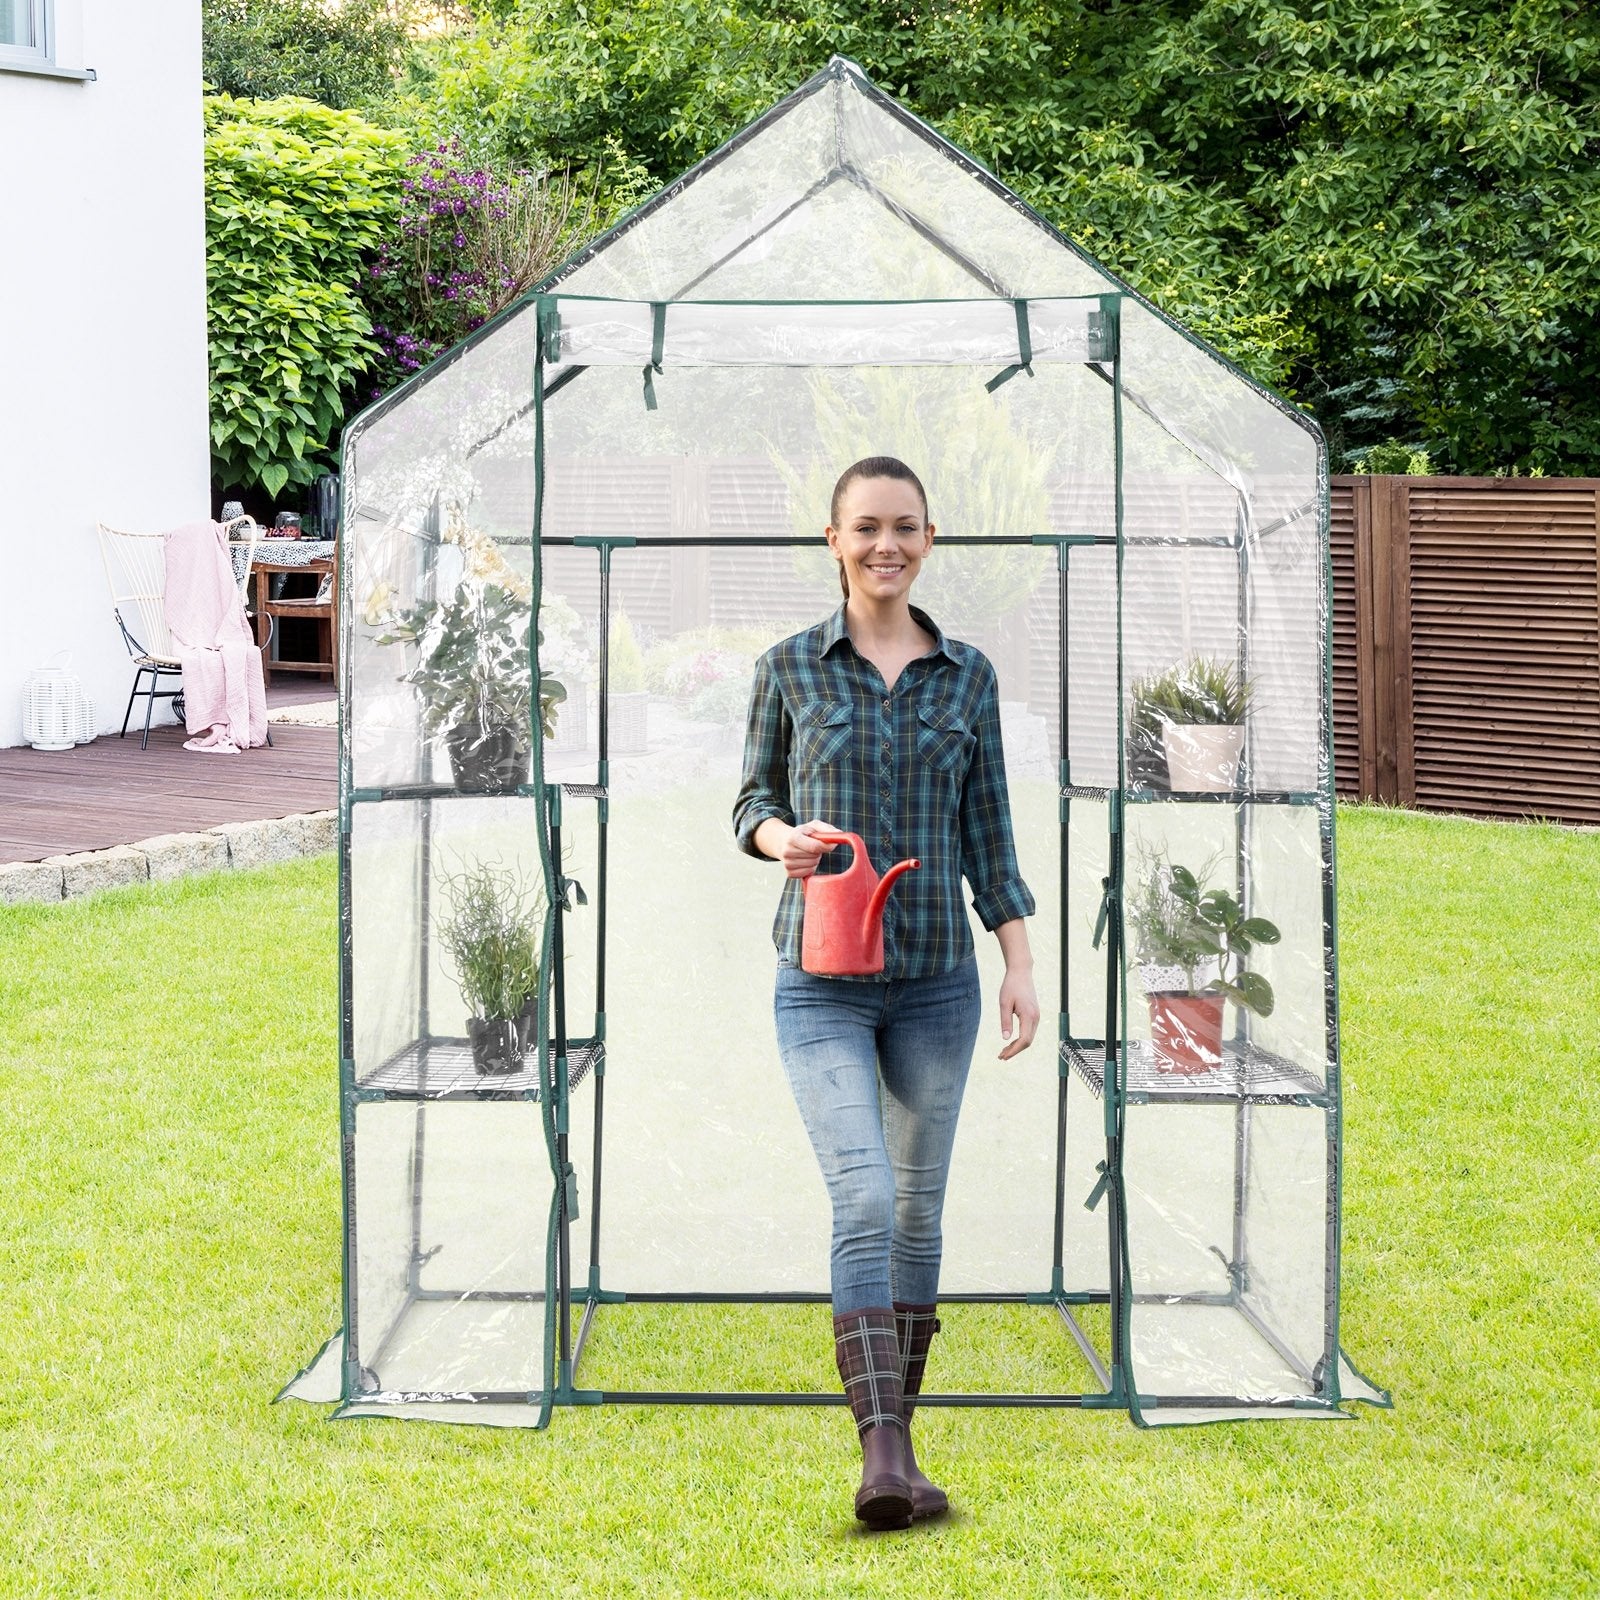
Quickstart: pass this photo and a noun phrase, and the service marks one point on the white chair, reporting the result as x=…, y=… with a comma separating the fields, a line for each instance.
x=136, y=569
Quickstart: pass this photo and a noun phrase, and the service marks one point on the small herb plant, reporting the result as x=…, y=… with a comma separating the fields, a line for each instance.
x=490, y=933
x=1198, y=692
x=1177, y=923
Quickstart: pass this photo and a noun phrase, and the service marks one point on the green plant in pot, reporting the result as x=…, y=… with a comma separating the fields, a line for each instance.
x=490, y=934
x=1201, y=707
x=1153, y=699
x=470, y=667
x=1181, y=931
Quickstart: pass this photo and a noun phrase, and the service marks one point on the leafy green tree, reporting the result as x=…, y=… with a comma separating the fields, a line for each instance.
x=343, y=55
x=1389, y=208
x=1419, y=179
x=296, y=194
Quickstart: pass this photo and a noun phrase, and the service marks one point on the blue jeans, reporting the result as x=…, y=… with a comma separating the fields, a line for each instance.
x=878, y=1070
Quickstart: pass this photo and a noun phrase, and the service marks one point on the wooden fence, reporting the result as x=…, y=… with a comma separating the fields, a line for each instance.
x=1466, y=654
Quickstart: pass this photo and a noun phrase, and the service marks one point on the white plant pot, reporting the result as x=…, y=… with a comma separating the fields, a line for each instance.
x=629, y=733
x=572, y=719
x=1203, y=759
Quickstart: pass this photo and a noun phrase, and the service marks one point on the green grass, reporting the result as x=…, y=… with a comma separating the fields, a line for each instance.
x=169, y=1254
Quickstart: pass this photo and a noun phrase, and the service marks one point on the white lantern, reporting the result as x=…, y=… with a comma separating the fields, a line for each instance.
x=56, y=713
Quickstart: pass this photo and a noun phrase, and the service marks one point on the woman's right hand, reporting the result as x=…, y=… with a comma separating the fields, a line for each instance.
x=801, y=852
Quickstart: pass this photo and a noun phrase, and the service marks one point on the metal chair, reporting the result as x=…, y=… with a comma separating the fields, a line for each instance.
x=136, y=569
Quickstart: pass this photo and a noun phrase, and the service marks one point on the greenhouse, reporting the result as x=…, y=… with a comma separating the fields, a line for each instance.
x=564, y=546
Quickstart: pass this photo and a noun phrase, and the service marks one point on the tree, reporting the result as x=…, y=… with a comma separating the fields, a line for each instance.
x=342, y=55
x=1388, y=208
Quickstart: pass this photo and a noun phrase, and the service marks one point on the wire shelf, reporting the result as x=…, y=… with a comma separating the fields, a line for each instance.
x=1247, y=1074
x=442, y=1069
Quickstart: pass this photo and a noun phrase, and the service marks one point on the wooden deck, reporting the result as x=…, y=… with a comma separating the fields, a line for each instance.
x=110, y=792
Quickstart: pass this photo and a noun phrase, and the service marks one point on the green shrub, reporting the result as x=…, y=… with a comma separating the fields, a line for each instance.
x=467, y=241
x=626, y=664
x=1393, y=457
x=295, y=194
x=344, y=55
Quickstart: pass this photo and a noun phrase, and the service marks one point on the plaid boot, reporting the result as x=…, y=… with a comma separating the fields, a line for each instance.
x=915, y=1327
x=867, y=1349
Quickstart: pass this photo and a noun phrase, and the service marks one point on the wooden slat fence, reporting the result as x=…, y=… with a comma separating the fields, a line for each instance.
x=1466, y=648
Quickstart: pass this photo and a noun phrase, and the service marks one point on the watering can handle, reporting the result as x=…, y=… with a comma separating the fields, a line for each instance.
x=831, y=838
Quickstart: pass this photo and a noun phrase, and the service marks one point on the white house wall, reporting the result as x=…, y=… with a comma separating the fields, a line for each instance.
x=103, y=411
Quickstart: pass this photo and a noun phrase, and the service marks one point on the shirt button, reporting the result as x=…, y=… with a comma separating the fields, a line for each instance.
x=886, y=703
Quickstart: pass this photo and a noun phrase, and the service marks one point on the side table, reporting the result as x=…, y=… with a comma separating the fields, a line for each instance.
x=325, y=613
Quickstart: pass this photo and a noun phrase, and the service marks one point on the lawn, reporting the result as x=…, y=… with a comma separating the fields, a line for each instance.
x=169, y=1161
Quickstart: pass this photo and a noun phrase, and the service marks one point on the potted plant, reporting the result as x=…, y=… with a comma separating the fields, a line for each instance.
x=1192, y=942
x=472, y=675
x=490, y=933
x=627, y=692
x=1202, y=711
x=1154, y=699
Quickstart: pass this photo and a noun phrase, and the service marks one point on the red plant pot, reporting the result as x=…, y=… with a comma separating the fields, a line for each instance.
x=1186, y=1030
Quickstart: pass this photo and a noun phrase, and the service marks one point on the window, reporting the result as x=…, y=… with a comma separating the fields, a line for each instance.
x=25, y=33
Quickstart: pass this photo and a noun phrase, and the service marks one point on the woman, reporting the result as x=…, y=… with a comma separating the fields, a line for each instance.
x=875, y=723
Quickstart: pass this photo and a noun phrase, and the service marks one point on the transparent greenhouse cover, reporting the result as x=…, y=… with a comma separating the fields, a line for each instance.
x=643, y=451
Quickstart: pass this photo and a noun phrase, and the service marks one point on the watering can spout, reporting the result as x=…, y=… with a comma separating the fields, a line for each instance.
x=880, y=895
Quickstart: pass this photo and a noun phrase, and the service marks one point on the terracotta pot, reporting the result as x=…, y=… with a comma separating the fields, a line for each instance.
x=1203, y=758
x=1186, y=1031
x=487, y=760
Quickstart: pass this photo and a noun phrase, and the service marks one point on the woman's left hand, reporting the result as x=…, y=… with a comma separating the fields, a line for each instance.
x=1019, y=1005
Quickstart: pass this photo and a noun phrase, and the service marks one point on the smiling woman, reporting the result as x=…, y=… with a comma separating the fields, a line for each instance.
x=877, y=722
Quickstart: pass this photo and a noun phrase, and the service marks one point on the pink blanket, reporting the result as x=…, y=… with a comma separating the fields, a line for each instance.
x=225, y=695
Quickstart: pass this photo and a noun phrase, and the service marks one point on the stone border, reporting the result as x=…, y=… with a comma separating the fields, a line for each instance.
x=168, y=856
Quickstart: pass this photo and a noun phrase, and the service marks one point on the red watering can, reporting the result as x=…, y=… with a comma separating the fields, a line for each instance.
x=843, y=932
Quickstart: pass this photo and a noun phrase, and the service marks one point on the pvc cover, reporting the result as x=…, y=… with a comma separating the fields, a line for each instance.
x=645, y=454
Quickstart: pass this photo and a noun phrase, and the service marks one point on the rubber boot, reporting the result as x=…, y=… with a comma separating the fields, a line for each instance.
x=867, y=1349
x=915, y=1327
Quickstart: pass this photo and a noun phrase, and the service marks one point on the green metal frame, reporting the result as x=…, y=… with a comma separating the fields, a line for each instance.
x=562, y=1354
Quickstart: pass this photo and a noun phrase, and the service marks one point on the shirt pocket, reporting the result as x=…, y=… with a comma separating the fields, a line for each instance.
x=945, y=739
x=822, y=732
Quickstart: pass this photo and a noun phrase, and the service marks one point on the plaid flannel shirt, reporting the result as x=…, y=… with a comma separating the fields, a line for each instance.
x=916, y=771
